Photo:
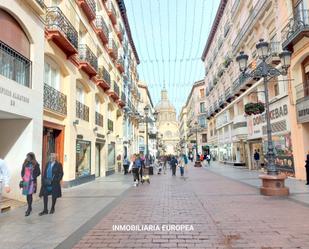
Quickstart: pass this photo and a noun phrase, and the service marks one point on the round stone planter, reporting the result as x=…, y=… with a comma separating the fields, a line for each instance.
x=273, y=185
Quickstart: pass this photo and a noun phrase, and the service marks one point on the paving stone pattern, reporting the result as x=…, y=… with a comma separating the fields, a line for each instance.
x=224, y=213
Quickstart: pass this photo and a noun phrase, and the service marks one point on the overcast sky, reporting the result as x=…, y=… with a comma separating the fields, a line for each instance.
x=170, y=36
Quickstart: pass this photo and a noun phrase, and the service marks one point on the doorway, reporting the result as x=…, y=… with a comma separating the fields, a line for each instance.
x=53, y=142
x=98, y=149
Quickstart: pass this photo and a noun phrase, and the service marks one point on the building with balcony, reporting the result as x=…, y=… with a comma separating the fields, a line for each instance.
x=294, y=37
x=21, y=85
x=234, y=135
x=85, y=91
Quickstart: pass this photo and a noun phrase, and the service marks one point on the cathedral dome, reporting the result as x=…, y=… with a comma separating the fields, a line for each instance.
x=164, y=104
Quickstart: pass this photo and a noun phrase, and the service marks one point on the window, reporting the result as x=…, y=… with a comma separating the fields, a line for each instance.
x=80, y=94
x=202, y=93
x=97, y=104
x=276, y=89
x=204, y=138
x=202, y=107
x=51, y=75
x=202, y=121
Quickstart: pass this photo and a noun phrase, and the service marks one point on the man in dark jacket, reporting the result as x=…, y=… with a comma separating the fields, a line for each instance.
x=174, y=164
x=307, y=168
x=51, y=183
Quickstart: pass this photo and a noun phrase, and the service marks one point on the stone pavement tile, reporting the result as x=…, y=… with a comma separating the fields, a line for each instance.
x=224, y=213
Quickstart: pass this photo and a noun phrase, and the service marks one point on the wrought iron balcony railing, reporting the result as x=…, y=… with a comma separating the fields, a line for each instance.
x=302, y=92
x=111, y=7
x=274, y=49
x=100, y=24
x=228, y=94
x=110, y=125
x=14, y=65
x=113, y=48
x=297, y=27
x=98, y=119
x=56, y=20
x=54, y=100
x=92, y=5
x=221, y=100
x=82, y=111
x=85, y=54
x=116, y=88
x=104, y=74
x=252, y=18
x=123, y=97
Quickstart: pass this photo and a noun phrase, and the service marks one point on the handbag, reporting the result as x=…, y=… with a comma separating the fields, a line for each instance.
x=21, y=184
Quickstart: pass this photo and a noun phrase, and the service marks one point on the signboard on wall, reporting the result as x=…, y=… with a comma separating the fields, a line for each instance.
x=278, y=118
x=302, y=109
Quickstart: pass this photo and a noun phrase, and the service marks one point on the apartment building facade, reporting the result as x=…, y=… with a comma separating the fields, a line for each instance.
x=238, y=26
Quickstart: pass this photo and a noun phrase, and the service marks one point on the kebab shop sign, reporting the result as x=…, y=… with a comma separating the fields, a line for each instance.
x=256, y=123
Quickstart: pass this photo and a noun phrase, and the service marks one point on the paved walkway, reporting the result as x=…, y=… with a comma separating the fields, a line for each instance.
x=75, y=209
x=223, y=212
x=298, y=190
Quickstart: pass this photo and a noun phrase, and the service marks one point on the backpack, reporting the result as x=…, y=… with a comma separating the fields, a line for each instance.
x=185, y=159
x=138, y=163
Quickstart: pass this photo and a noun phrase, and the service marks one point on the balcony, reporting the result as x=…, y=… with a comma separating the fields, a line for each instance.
x=274, y=51
x=120, y=33
x=120, y=65
x=101, y=29
x=216, y=106
x=103, y=79
x=14, y=65
x=82, y=111
x=88, y=61
x=112, y=12
x=221, y=101
x=241, y=84
x=114, y=91
x=259, y=8
x=99, y=119
x=302, y=102
x=38, y=6
x=228, y=95
x=207, y=92
x=112, y=49
x=89, y=7
x=122, y=100
x=110, y=125
x=54, y=100
x=296, y=29
x=61, y=31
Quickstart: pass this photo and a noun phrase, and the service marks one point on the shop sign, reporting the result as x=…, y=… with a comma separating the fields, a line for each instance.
x=278, y=113
x=303, y=111
x=14, y=96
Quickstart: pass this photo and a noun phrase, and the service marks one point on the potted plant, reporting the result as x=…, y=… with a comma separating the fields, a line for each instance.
x=227, y=61
x=254, y=108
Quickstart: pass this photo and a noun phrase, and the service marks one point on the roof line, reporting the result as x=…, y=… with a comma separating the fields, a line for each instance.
x=214, y=28
x=148, y=93
x=123, y=12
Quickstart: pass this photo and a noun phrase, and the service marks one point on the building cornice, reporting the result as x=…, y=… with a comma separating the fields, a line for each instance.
x=214, y=27
x=124, y=16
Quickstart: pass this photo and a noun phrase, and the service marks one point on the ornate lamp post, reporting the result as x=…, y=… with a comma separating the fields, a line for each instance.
x=273, y=183
x=197, y=160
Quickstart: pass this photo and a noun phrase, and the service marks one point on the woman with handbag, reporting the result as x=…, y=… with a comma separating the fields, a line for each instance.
x=29, y=173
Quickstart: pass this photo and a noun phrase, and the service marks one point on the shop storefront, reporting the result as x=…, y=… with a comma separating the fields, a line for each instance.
x=281, y=136
x=83, y=158
x=111, y=159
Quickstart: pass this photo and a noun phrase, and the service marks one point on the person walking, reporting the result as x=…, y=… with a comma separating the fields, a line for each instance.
x=256, y=157
x=136, y=167
x=307, y=168
x=126, y=164
x=208, y=159
x=174, y=164
x=51, y=183
x=29, y=174
x=181, y=165
x=4, y=178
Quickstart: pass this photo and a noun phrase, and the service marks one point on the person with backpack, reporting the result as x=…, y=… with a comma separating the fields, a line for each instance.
x=174, y=164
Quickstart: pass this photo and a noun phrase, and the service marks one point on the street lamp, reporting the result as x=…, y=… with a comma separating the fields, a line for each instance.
x=146, y=111
x=197, y=161
x=266, y=71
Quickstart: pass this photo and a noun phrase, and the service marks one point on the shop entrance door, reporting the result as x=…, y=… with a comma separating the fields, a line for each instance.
x=98, y=148
x=53, y=136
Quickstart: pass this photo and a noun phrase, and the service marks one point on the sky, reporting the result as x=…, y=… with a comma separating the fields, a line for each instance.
x=170, y=36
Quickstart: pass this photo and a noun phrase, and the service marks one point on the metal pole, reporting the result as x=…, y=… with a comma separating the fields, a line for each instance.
x=197, y=159
x=271, y=166
x=147, y=149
